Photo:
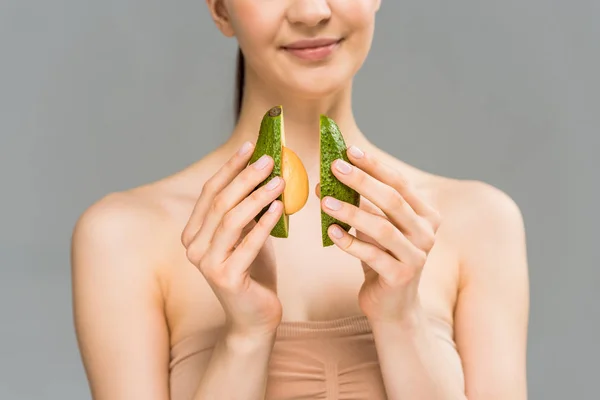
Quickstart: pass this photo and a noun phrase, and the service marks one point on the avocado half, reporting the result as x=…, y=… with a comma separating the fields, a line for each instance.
x=271, y=141
x=287, y=165
x=332, y=146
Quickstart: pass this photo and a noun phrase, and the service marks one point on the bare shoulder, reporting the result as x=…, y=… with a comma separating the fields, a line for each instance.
x=115, y=246
x=121, y=222
x=138, y=231
x=479, y=206
x=488, y=227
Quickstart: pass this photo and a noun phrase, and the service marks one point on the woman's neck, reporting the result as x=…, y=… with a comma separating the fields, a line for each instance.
x=301, y=118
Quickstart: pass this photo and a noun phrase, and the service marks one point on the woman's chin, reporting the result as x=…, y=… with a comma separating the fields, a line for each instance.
x=316, y=87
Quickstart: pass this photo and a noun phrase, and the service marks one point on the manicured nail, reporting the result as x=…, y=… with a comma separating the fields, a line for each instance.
x=343, y=166
x=273, y=207
x=337, y=232
x=273, y=183
x=356, y=152
x=245, y=148
x=261, y=162
x=332, y=204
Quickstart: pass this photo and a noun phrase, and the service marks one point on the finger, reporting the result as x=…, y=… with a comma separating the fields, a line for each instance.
x=318, y=190
x=241, y=186
x=391, y=177
x=368, y=206
x=214, y=185
x=383, y=196
x=245, y=253
x=375, y=226
x=388, y=268
x=423, y=238
x=229, y=231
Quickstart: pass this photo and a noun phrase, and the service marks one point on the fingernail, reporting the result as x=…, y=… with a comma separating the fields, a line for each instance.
x=333, y=204
x=245, y=148
x=261, y=162
x=343, y=166
x=273, y=183
x=356, y=152
x=273, y=207
x=337, y=232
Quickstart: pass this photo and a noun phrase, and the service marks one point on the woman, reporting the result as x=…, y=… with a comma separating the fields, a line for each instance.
x=179, y=295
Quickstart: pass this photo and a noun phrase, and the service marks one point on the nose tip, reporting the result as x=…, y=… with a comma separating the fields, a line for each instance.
x=309, y=12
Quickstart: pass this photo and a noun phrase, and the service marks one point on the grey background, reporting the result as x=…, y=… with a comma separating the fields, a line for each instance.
x=98, y=96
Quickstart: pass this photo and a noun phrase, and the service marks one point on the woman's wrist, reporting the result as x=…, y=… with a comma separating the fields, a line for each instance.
x=406, y=323
x=248, y=343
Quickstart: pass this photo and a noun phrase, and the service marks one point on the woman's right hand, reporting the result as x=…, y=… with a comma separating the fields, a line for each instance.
x=223, y=242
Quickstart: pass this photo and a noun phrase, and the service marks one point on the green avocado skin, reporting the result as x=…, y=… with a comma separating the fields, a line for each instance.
x=269, y=142
x=332, y=147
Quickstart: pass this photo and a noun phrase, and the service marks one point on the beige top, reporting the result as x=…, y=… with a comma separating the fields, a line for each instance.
x=330, y=360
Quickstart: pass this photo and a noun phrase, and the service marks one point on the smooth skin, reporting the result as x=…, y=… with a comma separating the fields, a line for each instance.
x=181, y=256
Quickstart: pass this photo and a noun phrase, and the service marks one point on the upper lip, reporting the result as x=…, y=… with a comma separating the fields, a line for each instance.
x=311, y=43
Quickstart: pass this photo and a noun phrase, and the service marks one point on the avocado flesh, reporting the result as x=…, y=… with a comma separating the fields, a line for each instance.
x=271, y=139
x=332, y=146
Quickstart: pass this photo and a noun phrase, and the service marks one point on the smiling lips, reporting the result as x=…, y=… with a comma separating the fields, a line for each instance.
x=312, y=49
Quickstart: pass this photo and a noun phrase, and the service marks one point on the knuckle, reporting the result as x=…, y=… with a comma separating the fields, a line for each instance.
x=231, y=165
x=348, y=245
x=360, y=177
x=194, y=255
x=245, y=178
x=210, y=185
x=400, y=180
x=428, y=242
x=385, y=228
x=371, y=254
x=397, y=277
x=228, y=281
x=426, y=238
x=208, y=269
x=186, y=237
x=350, y=212
x=257, y=196
x=229, y=221
x=420, y=257
x=219, y=204
x=393, y=199
x=435, y=219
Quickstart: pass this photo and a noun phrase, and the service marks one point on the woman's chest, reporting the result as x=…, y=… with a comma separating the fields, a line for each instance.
x=317, y=285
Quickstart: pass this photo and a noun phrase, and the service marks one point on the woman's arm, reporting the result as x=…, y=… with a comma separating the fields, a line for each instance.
x=414, y=364
x=119, y=315
x=117, y=299
x=492, y=312
x=490, y=316
x=238, y=369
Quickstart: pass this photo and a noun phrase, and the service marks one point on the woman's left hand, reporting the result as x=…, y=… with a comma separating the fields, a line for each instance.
x=394, y=235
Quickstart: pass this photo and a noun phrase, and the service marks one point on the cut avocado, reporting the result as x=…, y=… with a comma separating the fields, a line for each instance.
x=287, y=165
x=271, y=141
x=332, y=147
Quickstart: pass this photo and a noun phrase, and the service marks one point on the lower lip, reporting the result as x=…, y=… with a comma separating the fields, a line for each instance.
x=314, y=53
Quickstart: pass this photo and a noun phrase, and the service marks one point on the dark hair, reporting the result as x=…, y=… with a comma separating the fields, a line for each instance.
x=239, y=83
